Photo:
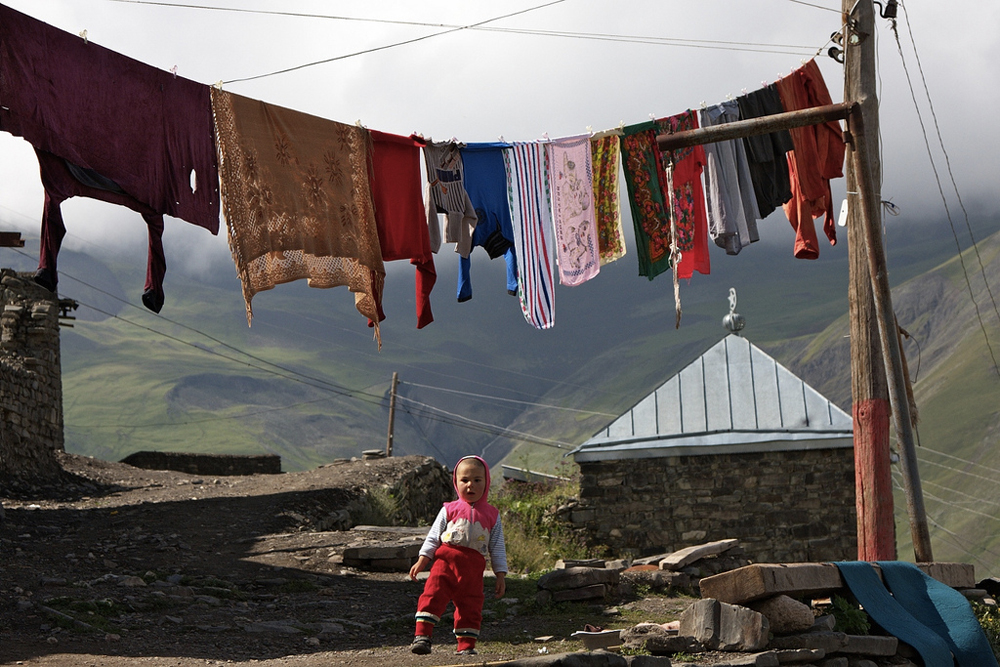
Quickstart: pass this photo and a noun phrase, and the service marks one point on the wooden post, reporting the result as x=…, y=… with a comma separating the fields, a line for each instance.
x=869, y=391
x=392, y=412
x=11, y=240
x=888, y=339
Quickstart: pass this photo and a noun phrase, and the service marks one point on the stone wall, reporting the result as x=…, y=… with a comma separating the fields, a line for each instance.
x=784, y=507
x=207, y=464
x=31, y=415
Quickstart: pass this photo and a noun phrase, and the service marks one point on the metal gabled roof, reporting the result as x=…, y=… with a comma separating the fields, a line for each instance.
x=733, y=398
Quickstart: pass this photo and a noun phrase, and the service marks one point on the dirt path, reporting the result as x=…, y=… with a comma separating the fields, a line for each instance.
x=121, y=565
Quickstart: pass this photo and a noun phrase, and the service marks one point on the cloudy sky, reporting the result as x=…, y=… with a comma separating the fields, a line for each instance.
x=615, y=62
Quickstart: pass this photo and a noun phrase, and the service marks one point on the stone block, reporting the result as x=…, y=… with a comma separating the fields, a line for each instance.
x=684, y=557
x=839, y=661
x=785, y=615
x=383, y=552
x=956, y=575
x=758, y=581
x=585, y=593
x=647, y=661
x=831, y=642
x=577, y=577
x=800, y=655
x=700, y=621
x=657, y=640
x=741, y=629
x=870, y=645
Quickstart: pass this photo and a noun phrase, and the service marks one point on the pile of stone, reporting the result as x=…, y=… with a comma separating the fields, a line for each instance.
x=764, y=614
x=598, y=579
x=384, y=548
x=682, y=570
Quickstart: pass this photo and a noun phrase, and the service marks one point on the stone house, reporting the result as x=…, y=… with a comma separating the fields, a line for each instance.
x=732, y=446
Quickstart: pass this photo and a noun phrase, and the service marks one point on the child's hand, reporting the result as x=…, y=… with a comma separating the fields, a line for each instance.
x=501, y=587
x=419, y=567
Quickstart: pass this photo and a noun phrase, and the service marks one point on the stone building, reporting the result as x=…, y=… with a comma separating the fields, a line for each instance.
x=733, y=446
x=31, y=415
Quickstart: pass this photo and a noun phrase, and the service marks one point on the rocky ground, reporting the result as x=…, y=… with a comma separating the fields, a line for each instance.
x=118, y=565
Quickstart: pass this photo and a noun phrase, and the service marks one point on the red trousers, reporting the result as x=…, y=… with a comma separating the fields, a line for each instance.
x=456, y=576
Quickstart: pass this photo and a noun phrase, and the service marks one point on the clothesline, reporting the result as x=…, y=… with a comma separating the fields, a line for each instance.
x=307, y=197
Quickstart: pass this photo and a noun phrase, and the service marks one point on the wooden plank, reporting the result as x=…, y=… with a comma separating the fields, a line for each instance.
x=754, y=126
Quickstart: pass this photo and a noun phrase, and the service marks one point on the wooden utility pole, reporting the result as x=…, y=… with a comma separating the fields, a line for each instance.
x=866, y=199
x=392, y=412
x=869, y=390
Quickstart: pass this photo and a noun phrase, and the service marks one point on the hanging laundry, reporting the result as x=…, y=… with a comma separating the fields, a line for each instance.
x=486, y=185
x=606, y=158
x=766, y=152
x=114, y=120
x=62, y=180
x=531, y=211
x=688, y=197
x=818, y=156
x=571, y=179
x=400, y=215
x=297, y=200
x=729, y=193
x=650, y=213
x=446, y=186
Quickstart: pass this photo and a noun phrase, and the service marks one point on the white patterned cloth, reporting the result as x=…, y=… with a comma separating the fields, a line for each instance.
x=571, y=179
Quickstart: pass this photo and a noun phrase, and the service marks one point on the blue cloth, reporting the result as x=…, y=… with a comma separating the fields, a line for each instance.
x=884, y=609
x=486, y=185
x=941, y=608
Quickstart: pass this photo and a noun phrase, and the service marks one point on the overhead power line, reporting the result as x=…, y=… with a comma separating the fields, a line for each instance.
x=390, y=46
x=447, y=28
x=508, y=400
x=937, y=179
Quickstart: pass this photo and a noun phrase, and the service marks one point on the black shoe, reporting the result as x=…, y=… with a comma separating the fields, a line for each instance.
x=467, y=651
x=421, y=645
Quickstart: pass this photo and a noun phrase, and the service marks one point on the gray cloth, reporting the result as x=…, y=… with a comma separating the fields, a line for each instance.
x=729, y=192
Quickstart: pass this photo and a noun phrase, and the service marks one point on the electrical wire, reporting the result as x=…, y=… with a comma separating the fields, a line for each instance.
x=509, y=400
x=640, y=39
x=286, y=372
x=393, y=45
x=899, y=487
x=973, y=463
x=809, y=4
x=944, y=200
x=961, y=472
x=505, y=431
x=947, y=159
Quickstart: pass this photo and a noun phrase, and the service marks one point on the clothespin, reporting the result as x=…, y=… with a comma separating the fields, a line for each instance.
x=545, y=137
x=621, y=125
x=652, y=116
x=173, y=70
x=590, y=130
x=217, y=85
x=358, y=123
x=83, y=34
x=729, y=96
x=704, y=105
x=744, y=91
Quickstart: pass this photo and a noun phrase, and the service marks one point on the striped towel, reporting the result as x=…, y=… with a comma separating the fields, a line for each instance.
x=531, y=211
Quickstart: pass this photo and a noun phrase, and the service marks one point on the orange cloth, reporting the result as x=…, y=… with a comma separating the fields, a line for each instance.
x=817, y=158
x=297, y=200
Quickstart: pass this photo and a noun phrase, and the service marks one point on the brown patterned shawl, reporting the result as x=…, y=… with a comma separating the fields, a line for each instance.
x=297, y=201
